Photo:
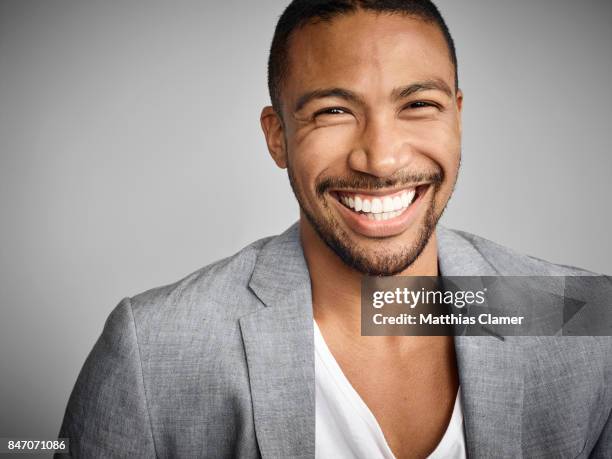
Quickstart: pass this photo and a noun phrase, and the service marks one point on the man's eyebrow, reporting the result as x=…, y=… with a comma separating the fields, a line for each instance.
x=439, y=85
x=345, y=94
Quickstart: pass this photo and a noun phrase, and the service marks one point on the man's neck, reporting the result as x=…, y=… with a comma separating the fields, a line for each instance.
x=336, y=287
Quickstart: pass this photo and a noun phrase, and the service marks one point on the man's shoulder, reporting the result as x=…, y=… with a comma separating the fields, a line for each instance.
x=218, y=291
x=499, y=259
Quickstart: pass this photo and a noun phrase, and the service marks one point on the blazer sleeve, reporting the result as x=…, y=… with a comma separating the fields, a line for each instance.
x=107, y=413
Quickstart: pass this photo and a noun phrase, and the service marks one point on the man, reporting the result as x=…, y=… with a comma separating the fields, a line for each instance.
x=366, y=118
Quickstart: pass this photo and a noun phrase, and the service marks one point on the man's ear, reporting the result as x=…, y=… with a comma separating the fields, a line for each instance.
x=460, y=108
x=272, y=127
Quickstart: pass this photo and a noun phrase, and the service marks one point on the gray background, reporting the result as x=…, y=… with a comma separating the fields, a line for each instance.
x=131, y=155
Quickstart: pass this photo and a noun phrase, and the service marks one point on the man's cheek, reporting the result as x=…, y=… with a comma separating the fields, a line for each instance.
x=446, y=154
x=328, y=144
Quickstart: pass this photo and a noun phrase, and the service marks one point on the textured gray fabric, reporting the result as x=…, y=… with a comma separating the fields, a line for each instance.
x=221, y=364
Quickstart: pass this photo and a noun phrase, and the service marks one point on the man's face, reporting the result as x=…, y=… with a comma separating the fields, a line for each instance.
x=371, y=135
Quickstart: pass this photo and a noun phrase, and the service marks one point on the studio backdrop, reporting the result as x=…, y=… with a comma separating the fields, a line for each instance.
x=129, y=134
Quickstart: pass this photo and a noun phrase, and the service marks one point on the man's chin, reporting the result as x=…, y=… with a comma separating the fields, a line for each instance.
x=377, y=256
x=382, y=262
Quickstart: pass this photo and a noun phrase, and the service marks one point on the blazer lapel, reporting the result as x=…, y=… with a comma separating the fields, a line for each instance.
x=490, y=369
x=278, y=341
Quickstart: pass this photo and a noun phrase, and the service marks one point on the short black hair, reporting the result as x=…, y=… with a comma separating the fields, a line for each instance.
x=302, y=12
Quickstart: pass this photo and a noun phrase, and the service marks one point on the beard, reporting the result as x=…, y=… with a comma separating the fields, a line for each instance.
x=377, y=262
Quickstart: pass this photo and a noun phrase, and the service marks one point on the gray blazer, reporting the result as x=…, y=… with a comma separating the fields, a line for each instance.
x=221, y=365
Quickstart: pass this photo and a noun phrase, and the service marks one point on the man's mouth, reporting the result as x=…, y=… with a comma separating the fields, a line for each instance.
x=378, y=207
x=380, y=213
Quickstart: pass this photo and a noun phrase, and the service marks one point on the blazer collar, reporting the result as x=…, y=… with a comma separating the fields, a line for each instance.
x=279, y=347
x=280, y=270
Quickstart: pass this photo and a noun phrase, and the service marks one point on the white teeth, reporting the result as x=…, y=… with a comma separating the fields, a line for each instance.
x=411, y=194
x=380, y=208
x=388, y=204
x=358, y=204
x=397, y=203
x=377, y=206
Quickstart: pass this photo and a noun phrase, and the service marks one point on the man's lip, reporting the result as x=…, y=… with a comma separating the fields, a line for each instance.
x=378, y=192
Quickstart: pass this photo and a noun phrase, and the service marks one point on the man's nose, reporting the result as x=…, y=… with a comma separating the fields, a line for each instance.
x=382, y=148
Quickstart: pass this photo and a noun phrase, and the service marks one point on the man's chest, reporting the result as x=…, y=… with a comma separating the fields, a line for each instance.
x=411, y=395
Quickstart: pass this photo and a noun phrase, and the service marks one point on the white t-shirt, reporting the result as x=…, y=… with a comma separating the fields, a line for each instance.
x=345, y=426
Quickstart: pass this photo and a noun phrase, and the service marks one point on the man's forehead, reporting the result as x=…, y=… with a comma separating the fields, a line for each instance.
x=365, y=45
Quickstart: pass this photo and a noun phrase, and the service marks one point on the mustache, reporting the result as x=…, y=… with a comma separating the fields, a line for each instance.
x=370, y=183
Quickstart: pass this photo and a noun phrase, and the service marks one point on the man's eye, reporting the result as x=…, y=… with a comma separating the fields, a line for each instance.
x=332, y=111
x=420, y=104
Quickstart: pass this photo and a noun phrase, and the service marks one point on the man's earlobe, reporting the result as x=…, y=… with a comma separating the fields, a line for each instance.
x=272, y=127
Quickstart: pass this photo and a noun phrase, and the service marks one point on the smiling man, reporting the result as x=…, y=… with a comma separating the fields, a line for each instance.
x=261, y=354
